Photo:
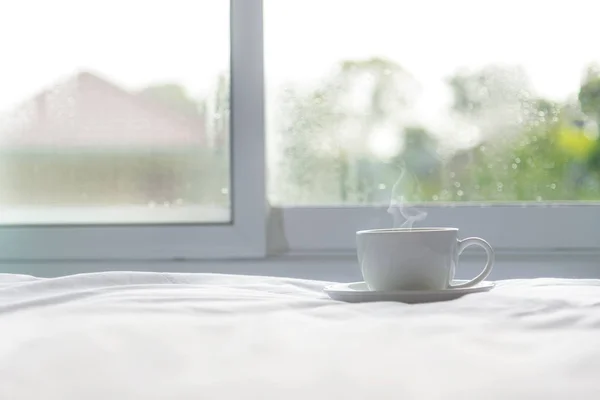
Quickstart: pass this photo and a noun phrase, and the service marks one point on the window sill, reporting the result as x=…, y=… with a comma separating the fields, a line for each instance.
x=544, y=227
x=339, y=267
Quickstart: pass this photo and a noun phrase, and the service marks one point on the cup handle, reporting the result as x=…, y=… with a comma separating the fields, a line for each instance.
x=462, y=245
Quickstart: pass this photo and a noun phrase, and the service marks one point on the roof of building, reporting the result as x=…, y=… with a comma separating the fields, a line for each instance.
x=86, y=111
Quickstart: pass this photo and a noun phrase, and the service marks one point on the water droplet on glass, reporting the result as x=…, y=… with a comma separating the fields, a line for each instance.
x=151, y=204
x=224, y=191
x=517, y=160
x=435, y=197
x=166, y=204
x=452, y=174
x=457, y=184
x=553, y=186
x=538, y=198
x=499, y=186
x=541, y=114
x=381, y=186
x=460, y=192
x=514, y=166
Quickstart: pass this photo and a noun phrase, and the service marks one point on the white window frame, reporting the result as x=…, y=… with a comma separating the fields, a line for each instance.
x=257, y=230
x=243, y=238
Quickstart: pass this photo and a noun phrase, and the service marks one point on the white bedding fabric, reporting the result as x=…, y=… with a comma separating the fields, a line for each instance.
x=198, y=336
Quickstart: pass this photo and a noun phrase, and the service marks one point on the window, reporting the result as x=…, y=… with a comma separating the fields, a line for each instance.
x=474, y=114
x=155, y=139
x=128, y=156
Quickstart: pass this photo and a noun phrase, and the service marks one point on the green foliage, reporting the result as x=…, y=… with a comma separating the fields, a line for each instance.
x=530, y=149
x=492, y=86
x=589, y=98
x=325, y=133
x=589, y=93
x=526, y=148
x=172, y=96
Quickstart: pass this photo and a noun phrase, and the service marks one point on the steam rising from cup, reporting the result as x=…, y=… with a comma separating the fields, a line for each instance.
x=403, y=215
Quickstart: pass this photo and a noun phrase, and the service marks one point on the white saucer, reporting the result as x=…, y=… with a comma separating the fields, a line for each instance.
x=358, y=292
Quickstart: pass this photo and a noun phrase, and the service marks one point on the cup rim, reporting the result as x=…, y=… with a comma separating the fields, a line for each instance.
x=405, y=230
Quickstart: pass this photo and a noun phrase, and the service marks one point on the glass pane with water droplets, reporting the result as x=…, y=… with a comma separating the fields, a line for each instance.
x=393, y=102
x=114, y=111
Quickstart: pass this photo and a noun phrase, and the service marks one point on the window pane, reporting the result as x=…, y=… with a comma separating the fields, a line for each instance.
x=114, y=111
x=432, y=101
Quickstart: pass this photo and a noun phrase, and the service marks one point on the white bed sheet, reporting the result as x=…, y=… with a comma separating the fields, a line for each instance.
x=201, y=336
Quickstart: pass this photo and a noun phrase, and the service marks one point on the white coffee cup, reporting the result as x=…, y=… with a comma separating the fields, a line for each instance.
x=415, y=259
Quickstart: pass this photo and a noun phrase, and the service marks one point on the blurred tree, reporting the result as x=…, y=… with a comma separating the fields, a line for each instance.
x=589, y=92
x=374, y=89
x=589, y=99
x=488, y=87
x=328, y=128
x=314, y=164
x=529, y=142
x=172, y=96
x=217, y=112
x=419, y=157
x=204, y=172
x=538, y=166
x=420, y=152
x=491, y=104
x=524, y=148
x=494, y=99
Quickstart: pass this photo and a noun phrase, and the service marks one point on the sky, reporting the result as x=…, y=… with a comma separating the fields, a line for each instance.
x=137, y=42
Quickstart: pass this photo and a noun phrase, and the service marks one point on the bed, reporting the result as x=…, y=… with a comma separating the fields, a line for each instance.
x=125, y=335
